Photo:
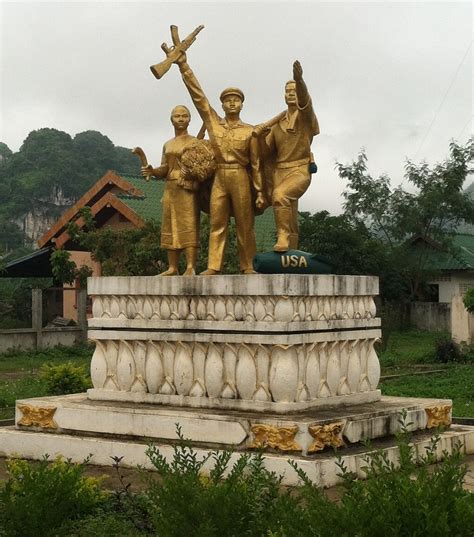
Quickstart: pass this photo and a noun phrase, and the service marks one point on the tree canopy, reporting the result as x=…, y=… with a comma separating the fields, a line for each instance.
x=51, y=164
x=390, y=218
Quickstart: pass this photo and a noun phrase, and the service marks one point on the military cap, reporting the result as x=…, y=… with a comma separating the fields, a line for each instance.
x=232, y=91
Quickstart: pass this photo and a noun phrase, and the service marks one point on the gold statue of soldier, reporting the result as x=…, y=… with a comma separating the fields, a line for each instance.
x=288, y=139
x=236, y=152
x=238, y=186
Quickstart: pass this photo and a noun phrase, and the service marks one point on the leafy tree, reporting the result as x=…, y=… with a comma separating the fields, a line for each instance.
x=15, y=300
x=126, y=162
x=96, y=153
x=468, y=300
x=11, y=236
x=129, y=252
x=126, y=252
x=5, y=152
x=348, y=244
x=393, y=216
x=50, y=165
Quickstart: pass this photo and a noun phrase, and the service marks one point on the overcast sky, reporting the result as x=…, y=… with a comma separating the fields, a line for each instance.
x=395, y=78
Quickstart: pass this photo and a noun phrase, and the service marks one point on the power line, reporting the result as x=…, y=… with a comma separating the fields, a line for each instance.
x=464, y=128
x=443, y=99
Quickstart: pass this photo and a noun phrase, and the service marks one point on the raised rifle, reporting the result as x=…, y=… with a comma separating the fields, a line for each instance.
x=263, y=128
x=173, y=53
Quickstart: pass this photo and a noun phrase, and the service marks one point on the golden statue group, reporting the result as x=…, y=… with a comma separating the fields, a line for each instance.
x=231, y=166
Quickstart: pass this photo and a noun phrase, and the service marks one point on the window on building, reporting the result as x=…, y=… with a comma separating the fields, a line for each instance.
x=443, y=278
x=464, y=287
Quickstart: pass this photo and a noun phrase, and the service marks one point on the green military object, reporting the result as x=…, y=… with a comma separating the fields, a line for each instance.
x=291, y=262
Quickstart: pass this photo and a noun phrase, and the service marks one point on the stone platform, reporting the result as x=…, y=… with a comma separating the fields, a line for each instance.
x=278, y=343
x=76, y=427
x=281, y=363
x=303, y=432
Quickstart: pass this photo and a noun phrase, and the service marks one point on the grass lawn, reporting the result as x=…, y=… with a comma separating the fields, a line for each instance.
x=455, y=382
x=19, y=373
x=29, y=361
x=410, y=347
x=412, y=351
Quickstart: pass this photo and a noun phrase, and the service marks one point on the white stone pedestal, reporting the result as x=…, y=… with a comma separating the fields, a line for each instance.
x=283, y=363
x=278, y=343
x=76, y=427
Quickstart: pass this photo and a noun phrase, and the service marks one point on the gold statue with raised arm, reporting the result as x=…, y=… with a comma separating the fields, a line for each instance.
x=288, y=138
x=180, y=211
x=237, y=180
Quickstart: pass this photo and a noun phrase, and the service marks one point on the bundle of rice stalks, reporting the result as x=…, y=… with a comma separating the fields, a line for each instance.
x=197, y=162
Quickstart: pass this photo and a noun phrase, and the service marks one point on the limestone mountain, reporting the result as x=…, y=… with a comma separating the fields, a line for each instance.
x=48, y=174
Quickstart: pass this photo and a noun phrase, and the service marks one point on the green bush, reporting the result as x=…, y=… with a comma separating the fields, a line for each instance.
x=469, y=300
x=64, y=378
x=393, y=501
x=467, y=352
x=224, y=494
x=407, y=498
x=186, y=501
x=447, y=351
x=101, y=525
x=38, y=498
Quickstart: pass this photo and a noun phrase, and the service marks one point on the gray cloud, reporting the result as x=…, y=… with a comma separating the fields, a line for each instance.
x=376, y=71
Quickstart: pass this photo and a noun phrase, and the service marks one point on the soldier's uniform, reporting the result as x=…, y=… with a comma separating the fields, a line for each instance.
x=291, y=176
x=235, y=151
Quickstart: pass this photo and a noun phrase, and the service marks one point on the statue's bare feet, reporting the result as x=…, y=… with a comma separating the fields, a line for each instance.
x=189, y=272
x=169, y=272
x=210, y=272
x=248, y=271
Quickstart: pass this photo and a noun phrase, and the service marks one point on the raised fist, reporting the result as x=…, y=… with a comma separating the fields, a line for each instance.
x=297, y=71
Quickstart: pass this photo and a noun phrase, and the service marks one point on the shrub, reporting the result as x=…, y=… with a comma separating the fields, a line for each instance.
x=64, y=378
x=238, y=496
x=38, y=497
x=409, y=497
x=469, y=300
x=447, y=351
x=185, y=501
x=467, y=352
x=103, y=525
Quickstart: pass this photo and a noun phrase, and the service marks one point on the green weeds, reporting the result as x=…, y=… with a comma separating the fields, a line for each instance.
x=228, y=494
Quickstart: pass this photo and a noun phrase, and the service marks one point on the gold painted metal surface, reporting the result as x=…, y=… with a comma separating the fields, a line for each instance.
x=37, y=416
x=180, y=213
x=282, y=438
x=237, y=189
x=328, y=435
x=438, y=416
x=173, y=53
x=231, y=192
x=287, y=145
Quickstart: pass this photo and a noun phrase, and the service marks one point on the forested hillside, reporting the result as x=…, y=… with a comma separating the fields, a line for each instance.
x=48, y=174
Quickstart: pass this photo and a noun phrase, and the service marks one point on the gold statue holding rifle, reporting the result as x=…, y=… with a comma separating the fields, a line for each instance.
x=288, y=138
x=238, y=186
x=174, y=53
x=237, y=180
